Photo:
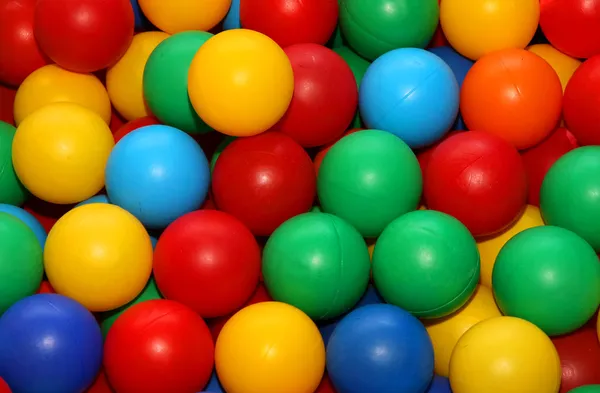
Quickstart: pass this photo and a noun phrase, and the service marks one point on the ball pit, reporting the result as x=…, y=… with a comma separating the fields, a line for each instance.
x=412, y=93
x=396, y=198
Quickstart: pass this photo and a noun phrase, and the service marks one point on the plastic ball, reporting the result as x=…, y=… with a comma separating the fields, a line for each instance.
x=263, y=181
x=21, y=265
x=150, y=292
x=572, y=26
x=325, y=96
x=133, y=125
x=111, y=263
x=60, y=151
x=369, y=178
x=28, y=219
x=4, y=388
x=45, y=287
x=158, y=173
x=296, y=360
x=426, y=263
x=177, y=16
x=490, y=247
x=507, y=352
x=534, y=279
x=12, y=191
x=166, y=81
x=460, y=66
x=51, y=84
x=479, y=179
x=380, y=348
x=568, y=194
x=371, y=27
x=158, y=346
x=539, y=159
x=220, y=147
x=258, y=100
x=587, y=389
x=232, y=19
x=411, y=93
x=359, y=67
x=100, y=385
x=562, y=64
x=7, y=100
x=514, y=94
x=579, y=354
x=56, y=338
x=20, y=52
x=322, y=290
x=101, y=198
x=581, y=99
x=211, y=250
x=125, y=79
x=489, y=25
x=439, y=385
x=291, y=22
x=446, y=332
x=214, y=386
x=318, y=159
x=86, y=36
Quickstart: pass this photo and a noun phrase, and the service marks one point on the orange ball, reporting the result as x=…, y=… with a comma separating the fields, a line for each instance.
x=514, y=94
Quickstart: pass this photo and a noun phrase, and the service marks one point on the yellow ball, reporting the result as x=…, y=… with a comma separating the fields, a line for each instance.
x=59, y=152
x=505, y=354
x=270, y=347
x=564, y=65
x=51, y=84
x=489, y=248
x=240, y=82
x=125, y=79
x=99, y=255
x=175, y=16
x=445, y=332
x=477, y=27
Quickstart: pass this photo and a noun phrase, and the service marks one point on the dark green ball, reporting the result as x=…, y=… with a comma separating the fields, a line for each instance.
x=318, y=263
x=12, y=192
x=549, y=276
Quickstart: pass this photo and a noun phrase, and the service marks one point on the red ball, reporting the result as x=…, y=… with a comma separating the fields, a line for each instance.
x=579, y=354
x=326, y=386
x=20, y=52
x=424, y=154
x=209, y=261
x=116, y=121
x=581, y=102
x=540, y=158
x=45, y=287
x=325, y=96
x=4, y=388
x=290, y=22
x=264, y=180
x=572, y=26
x=478, y=178
x=158, y=346
x=100, y=385
x=7, y=100
x=84, y=35
x=134, y=125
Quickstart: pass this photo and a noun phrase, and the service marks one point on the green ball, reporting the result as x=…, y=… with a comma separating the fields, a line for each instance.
x=166, y=81
x=570, y=194
x=375, y=27
x=318, y=263
x=359, y=66
x=150, y=292
x=369, y=178
x=12, y=191
x=586, y=389
x=224, y=143
x=427, y=263
x=21, y=261
x=548, y=276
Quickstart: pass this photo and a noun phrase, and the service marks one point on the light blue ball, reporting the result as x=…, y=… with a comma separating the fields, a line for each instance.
x=411, y=93
x=232, y=19
x=28, y=219
x=158, y=174
x=95, y=199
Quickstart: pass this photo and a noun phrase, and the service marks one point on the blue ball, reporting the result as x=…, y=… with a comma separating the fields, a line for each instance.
x=141, y=22
x=28, y=219
x=371, y=296
x=459, y=65
x=214, y=386
x=157, y=173
x=439, y=385
x=49, y=344
x=232, y=19
x=411, y=93
x=95, y=199
x=380, y=348
x=154, y=241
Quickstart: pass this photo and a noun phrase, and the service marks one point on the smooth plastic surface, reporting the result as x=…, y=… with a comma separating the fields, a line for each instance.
x=29, y=220
x=177, y=16
x=581, y=98
x=12, y=191
x=579, y=354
